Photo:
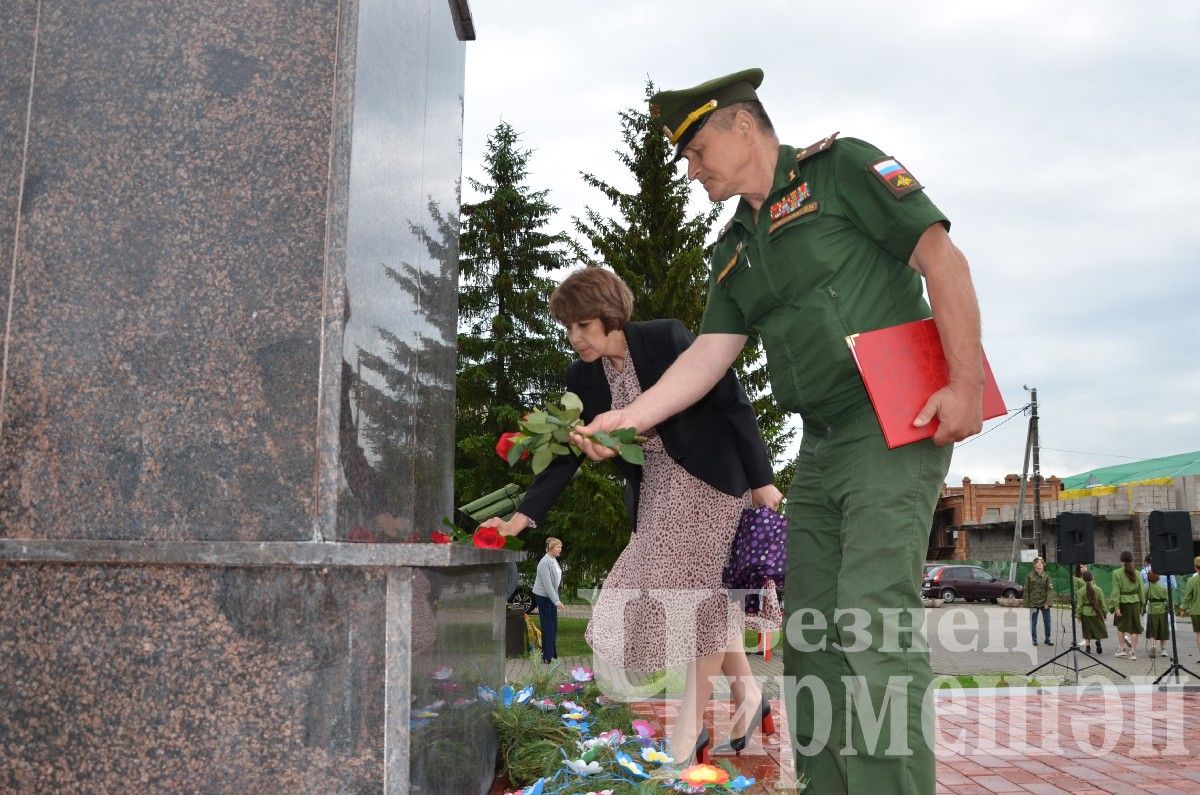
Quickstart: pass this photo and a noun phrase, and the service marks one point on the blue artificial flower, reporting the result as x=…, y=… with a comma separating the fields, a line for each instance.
x=581, y=725
x=486, y=693
x=626, y=761
x=534, y=789
x=740, y=783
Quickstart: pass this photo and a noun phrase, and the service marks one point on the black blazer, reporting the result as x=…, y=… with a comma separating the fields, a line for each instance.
x=716, y=439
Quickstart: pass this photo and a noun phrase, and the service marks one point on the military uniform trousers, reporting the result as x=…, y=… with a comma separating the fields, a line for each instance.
x=859, y=518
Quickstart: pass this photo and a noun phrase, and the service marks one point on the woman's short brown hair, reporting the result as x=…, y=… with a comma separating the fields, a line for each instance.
x=592, y=292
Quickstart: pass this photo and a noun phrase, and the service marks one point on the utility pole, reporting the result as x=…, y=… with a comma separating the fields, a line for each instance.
x=1031, y=451
x=1018, y=518
x=1037, y=473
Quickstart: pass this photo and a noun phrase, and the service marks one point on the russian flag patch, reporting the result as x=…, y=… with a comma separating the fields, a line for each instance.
x=895, y=176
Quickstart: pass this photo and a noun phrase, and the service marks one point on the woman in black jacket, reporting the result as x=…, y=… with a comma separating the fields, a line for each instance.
x=662, y=603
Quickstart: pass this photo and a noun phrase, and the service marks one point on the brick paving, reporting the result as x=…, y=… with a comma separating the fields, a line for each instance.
x=1065, y=741
x=1116, y=735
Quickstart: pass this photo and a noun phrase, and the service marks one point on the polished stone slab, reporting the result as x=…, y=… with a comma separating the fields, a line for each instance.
x=163, y=349
x=173, y=677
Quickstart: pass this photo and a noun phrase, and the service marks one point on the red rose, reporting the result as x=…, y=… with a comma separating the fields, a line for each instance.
x=488, y=538
x=506, y=443
x=438, y=537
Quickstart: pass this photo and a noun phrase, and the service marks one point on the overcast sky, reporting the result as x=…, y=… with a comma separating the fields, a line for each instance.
x=1060, y=138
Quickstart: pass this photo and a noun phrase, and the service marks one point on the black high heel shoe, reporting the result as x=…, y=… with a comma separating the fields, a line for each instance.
x=761, y=718
x=700, y=753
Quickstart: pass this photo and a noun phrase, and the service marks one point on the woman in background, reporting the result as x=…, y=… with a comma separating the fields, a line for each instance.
x=545, y=595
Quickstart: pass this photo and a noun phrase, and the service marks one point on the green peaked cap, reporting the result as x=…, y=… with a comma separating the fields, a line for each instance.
x=684, y=111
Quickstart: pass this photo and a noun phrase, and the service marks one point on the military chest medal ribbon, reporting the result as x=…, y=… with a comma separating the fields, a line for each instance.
x=790, y=203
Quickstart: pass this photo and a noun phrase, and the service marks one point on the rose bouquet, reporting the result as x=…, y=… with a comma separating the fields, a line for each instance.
x=545, y=433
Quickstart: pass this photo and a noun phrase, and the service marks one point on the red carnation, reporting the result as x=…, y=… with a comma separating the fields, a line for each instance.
x=438, y=537
x=507, y=440
x=488, y=538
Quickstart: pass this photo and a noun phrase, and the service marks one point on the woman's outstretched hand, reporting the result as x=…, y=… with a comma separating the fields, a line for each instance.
x=510, y=527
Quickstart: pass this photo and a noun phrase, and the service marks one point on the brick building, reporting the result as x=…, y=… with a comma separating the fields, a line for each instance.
x=977, y=521
x=982, y=507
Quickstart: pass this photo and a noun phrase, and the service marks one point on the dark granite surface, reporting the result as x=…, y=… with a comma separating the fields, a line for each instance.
x=399, y=349
x=186, y=680
x=164, y=351
x=17, y=32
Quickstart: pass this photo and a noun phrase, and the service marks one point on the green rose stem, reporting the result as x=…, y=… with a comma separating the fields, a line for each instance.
x=547, y=433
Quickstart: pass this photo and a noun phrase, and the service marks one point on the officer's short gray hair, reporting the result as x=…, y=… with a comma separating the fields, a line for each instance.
x=724, y=116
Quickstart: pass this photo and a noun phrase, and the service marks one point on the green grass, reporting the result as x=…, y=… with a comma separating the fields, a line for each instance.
x=570, y=637
x=571, y=642
x=968, y=681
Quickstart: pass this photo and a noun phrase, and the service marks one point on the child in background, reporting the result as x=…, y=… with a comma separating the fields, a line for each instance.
x=1128, y=602
x=1091, y=612
x=1157, y=630
x=1191, y=601
x=1076, y=584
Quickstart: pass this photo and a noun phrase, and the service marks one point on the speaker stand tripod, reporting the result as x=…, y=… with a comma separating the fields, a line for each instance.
x=1075, y=652
x=1174, y=667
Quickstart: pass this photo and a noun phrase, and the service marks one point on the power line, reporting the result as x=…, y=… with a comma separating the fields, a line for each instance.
x=1106, y=455
x=1013, y=414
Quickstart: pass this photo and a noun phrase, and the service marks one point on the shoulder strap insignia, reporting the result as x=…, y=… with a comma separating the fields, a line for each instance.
x=817, y=148
x=724, y=229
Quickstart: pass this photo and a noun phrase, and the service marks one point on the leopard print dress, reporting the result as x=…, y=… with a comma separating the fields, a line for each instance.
x=663, y=603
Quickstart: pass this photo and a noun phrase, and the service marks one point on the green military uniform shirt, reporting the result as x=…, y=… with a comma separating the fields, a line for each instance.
x=1191, y=596
x=1156, y=599
x=826, y=257
x=1125, y=592
x=1083, y=604
x=1038, y=589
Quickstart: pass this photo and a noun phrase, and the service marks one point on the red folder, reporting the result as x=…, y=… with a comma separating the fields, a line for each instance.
x=901, y=367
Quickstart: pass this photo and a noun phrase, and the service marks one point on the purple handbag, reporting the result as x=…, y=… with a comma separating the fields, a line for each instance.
x=758, y=553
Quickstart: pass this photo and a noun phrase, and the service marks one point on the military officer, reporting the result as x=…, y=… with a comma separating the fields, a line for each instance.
x=826, y=241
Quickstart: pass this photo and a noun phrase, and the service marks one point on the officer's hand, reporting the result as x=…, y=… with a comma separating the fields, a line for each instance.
x=959, y=412
x=608, y=421
x=767, y=495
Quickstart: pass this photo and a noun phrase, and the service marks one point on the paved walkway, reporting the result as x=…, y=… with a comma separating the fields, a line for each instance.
x=1064, y=742
x=1116, y=735
x=987, y=642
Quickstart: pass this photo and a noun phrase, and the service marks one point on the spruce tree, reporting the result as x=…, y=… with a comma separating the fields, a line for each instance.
x=511, y=355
